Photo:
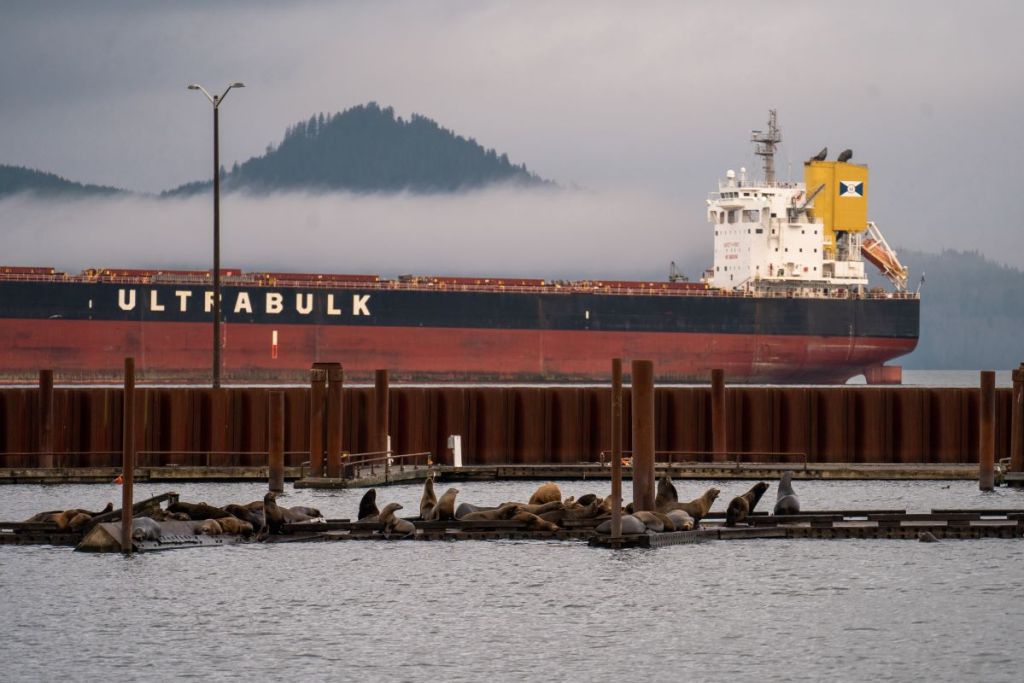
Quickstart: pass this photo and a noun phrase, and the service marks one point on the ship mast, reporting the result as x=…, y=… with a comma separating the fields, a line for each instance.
x=766, y=146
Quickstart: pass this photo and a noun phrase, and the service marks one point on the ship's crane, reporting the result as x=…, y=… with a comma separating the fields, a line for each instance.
x=878, y=252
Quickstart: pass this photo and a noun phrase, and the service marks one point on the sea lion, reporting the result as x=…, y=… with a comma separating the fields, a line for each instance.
x=79, y=521
x=650, y=520
x=445, y=508
x=198, y=511
x=293, y=515
x=368, y=507
x=273, y=516
x=927, y=537
x=504, y=512
x=586, y=499
x=393, y=524
x=538, y=509
x=246, y=515
x=546, y=493
x=428, y=501
x=533, y=522
x=233, y=525
x=681, y=519
x=468, y=508
x=697, y=508
x=311, y=513
x=786, y=501
x=145, y=529
x=742, y=506
x=631, y=526
x=666, y=494
x=666, y=521
x=210, y=527
x=572, y=513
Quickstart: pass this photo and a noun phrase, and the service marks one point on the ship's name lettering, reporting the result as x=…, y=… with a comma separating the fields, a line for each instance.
x=268, y=303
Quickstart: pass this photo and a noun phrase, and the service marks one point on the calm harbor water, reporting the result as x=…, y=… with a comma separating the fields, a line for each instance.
x=799, y=610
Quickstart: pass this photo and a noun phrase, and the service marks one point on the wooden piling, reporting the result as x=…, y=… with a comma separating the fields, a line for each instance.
x=317, y=391
x=335, y=420
x=1017, y=421
x=616, y=435
x=127, y=455
x=643, y=434
x=46, y=458
x=719, y=417
x=380, y=411
x=276, y=441
x=987, y=431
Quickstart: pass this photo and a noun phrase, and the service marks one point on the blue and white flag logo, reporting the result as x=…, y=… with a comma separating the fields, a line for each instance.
x=851, y=188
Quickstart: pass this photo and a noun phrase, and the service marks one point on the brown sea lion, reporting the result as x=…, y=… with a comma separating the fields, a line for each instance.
x=233, y=525
x=538, y=509
x=533, y=522
x=368, y=507
x=210, y=527
x=666, y=521
x=79, y=521
x=650, y=520
x=246, y=515
x=428, y=501
x=586, y=499
x=445, y=508
x=666, y=494
x=697, y=508
x=741, y=506
x=273, y=516
x=311, y=513
x=198, y=511
x=393, y=524
x=293, y=515
x=504, y=512
x=572, y=513
x=546, y=493
x=682, y=520
x=786, y=501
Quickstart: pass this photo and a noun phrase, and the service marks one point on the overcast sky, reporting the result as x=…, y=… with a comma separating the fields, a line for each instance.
x=645, y=102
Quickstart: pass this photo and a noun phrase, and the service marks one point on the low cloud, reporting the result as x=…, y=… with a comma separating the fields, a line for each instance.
x=501, y=231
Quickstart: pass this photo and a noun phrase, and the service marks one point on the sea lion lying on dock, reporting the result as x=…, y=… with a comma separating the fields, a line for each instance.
x=311, y=513
x=245, y=514
x=506, y=511
x=546, y=493
x=681, y=520
x=650, y=521
x=697, y=508
x=537, y=509
x=631, y=526
x=233, y=525
x=533, y=522
x=742, y=506
x=145, y=529
x=468, y=508
x=210, y=527
x=786, y=501
x=198, y=511
x=393, y=524
x=559, y=515
x=368, y=507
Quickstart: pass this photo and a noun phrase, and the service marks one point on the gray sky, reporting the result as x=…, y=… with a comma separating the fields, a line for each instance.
x=644, y=104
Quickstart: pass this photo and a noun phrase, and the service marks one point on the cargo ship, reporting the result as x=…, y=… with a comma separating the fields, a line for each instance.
x=786, y=301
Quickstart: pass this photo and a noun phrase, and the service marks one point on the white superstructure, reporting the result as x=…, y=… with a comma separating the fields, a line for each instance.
x=770, y=237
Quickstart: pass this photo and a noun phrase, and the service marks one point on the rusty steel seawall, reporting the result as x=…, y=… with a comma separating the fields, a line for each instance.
x=506, y=425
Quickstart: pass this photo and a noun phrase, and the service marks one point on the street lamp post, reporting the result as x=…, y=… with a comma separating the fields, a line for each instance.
x=216, y=100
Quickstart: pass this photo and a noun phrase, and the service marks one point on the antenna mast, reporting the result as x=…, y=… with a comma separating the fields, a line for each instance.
x=766, y=145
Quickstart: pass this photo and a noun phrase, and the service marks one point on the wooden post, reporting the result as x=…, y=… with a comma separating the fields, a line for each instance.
x=335, y=420
x=616, y=430
x=643, y=435
x=987, y=431
x=1017, y=422
x=46, y=458
x=317, y=389
x=380, y=411
x=276, y=441
x=127, y=455
x=719, y=417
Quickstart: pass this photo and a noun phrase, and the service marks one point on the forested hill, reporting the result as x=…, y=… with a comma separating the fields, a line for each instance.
x=369, y=149
x=972, y=312
x=15, y=179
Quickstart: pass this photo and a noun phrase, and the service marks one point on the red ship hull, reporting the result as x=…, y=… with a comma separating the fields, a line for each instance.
x=93, y=350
